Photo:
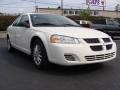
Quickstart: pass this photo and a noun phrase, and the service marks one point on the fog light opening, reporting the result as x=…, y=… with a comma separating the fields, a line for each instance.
x=70, y=57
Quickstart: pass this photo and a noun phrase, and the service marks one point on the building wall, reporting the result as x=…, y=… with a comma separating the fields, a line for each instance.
x=109, y=14
x=69, y=12
x=112, y=14
x=51, y=11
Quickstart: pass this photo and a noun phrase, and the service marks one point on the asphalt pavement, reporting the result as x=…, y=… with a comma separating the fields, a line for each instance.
x=18, y=73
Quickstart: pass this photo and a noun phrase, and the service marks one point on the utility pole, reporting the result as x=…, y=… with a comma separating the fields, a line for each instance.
x=117, y=9
x=88, y=7
x=62, y=8
x=103, y=2
x=36, y=7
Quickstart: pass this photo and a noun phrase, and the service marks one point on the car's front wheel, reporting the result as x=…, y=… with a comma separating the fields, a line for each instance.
x=39, y=55
x=9, y=46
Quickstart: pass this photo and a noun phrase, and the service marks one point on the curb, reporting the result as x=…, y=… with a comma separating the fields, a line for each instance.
x=3, y=34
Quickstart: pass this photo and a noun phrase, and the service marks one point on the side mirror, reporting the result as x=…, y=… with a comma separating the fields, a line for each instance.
x=26, y=24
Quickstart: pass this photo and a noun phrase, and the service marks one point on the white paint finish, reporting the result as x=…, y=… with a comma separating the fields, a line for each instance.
x=21, y=40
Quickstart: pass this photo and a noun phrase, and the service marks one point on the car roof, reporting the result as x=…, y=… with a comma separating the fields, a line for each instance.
x=36, y=13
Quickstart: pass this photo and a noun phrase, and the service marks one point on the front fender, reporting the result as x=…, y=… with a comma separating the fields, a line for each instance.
x=45, y=38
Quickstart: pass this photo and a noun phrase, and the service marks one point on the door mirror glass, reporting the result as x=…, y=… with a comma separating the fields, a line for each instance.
x=26, y=24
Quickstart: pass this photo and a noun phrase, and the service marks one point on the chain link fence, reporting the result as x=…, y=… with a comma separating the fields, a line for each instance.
x=5, y=21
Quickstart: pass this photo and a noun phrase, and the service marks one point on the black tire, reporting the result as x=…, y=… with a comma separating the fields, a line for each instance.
x=9, y=46
x=39, y=55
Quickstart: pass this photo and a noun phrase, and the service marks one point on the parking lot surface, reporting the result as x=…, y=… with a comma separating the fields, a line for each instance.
x=18, y=73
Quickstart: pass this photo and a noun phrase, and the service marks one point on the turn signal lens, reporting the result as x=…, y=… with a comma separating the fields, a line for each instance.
x=54, y=39
x=63, y=39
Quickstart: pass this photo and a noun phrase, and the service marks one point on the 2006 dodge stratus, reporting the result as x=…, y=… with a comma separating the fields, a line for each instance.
x=57, y=39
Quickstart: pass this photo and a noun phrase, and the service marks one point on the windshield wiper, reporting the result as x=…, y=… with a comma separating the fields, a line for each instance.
x=45, y=24
x=71, y=25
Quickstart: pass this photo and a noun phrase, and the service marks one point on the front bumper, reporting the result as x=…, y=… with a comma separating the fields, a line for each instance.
x=57, y=54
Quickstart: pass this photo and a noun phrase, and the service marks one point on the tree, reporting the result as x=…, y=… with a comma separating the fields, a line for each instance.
x=85, y=14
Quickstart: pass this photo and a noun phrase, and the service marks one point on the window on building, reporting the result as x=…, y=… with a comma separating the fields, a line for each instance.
x=71, y=12
x=77, y=12
x=65, y=11
x=91, y=13
x=95, y=12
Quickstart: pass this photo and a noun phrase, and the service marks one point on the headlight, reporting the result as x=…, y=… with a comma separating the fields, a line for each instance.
x=63, y=39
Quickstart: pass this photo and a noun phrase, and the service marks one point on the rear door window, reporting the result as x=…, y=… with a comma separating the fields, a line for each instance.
x=101, y=21
x=110, y=22
x=16, y=21
x=23, y=19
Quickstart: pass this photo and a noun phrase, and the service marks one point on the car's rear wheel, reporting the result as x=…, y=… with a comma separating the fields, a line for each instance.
x=9, y=46
x=39, y=55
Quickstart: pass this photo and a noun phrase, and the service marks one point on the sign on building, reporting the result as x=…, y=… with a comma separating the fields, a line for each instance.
x=95, y=2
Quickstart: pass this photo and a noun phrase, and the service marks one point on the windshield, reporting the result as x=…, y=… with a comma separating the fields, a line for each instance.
x=51, y=20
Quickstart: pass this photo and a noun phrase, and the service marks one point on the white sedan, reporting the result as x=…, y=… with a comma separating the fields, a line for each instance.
x=57, y=39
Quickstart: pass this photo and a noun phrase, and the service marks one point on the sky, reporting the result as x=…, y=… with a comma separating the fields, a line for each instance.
x=20, y=6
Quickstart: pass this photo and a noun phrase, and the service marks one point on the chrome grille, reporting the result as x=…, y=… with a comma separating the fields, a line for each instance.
x=108, y=47
x=96, y=40
x=97, y=48
x=93, y=40
x=109, y=55
x=106, y=40
x=99, y=57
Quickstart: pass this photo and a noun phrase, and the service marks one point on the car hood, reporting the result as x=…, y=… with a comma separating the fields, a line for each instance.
x=78, y=32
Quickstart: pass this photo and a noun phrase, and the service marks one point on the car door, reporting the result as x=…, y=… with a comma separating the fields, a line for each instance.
x=112, y=26
x=12, y=31
x=99, y=24
x=22, y=33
